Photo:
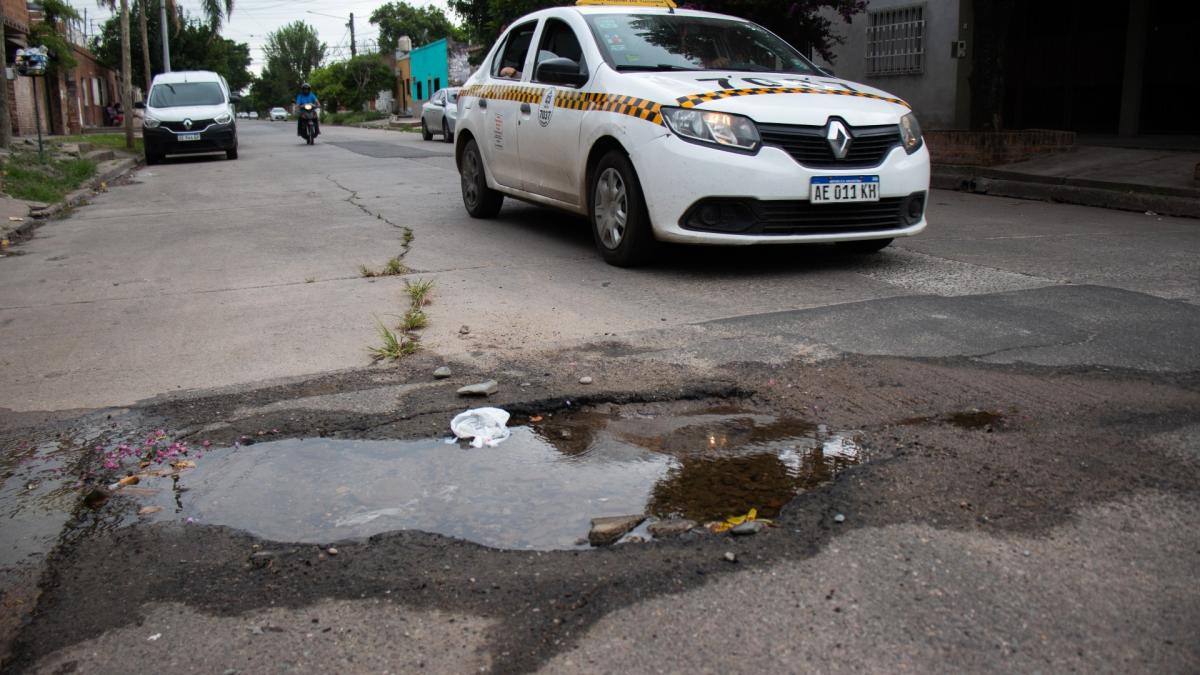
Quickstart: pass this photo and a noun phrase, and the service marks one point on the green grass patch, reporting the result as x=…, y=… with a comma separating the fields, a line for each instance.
x=392, y=268
x=355, y=117
x=25, y=177
x=413, y=319
x=113, y=141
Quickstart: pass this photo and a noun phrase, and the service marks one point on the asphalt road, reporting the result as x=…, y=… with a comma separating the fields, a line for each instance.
x=216, y=298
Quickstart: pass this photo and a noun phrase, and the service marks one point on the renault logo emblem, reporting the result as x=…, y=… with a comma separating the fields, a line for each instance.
x=187, y=124
x=838, y=137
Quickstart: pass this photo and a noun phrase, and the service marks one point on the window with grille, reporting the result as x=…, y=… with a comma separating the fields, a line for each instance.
x=896, y=41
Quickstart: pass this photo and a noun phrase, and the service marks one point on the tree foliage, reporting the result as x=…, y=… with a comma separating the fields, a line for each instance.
x=294, y=51
x=194, y=46
x=46, y=33
x=350, y=84
x=422, y=24
x=800, y=22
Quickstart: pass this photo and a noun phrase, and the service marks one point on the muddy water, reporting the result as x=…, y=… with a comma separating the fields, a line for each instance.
x=37, y=496
x=539, y=489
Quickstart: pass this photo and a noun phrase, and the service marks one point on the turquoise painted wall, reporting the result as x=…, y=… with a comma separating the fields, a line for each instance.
x=430, y=68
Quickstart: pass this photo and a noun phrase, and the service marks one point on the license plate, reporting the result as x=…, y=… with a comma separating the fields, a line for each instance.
x=189, y=137
x=837, y=189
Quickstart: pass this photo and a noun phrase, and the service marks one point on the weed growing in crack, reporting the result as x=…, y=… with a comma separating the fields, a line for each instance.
x=418, y=292
x=407, y=236
x=392, y=268
x=395, y=346
x=413, y=319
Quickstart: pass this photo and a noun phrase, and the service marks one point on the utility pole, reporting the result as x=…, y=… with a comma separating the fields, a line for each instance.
x=126, y=76
x=353, y=52
x=166, y=40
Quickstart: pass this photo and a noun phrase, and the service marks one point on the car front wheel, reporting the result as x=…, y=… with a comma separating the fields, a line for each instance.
x=447, y=137
x=620, y=221
x=480, y=200
x=425, y=135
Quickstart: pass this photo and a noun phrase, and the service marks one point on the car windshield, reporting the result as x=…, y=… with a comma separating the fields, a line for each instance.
x=664, y=42
x=178, y=94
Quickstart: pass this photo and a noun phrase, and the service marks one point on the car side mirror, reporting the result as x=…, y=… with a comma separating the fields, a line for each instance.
x=139, y=104
x=560, y=71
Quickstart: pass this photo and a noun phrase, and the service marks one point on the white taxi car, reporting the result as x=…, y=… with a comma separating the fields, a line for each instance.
x=662, y=124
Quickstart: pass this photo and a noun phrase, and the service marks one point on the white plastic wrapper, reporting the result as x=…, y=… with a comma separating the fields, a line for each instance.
x=484, y=426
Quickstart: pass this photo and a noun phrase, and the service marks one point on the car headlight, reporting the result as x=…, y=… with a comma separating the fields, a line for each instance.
x=149, y=122
x=734, y=132
x=910, y=133
x=224, y=118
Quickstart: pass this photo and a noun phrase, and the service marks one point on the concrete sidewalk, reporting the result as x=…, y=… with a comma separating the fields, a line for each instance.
x=1135, y=179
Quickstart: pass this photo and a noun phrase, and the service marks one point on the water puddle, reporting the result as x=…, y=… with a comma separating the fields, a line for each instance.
x=537, y=490
x=37, y=495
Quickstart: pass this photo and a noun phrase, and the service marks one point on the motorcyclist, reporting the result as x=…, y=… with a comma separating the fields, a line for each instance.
x=306, y=95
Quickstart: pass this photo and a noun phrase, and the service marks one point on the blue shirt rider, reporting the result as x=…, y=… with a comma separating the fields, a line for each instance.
x=306, y=95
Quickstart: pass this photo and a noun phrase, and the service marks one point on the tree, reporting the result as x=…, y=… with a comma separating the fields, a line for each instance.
x=293, y=52
x=5, y=120
x=268, y=90
x=797, y=21
x=350, y=84
x=126, y=68
x=422, y=24
x=195, y=46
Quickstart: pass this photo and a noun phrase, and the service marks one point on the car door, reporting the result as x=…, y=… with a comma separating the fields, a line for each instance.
x=548, y=133
x=500, y=108
x=436, y=109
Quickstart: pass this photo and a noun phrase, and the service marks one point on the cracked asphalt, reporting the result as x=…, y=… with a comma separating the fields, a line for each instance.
x=218, y=299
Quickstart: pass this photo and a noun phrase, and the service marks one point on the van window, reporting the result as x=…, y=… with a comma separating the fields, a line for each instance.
x=177, y=94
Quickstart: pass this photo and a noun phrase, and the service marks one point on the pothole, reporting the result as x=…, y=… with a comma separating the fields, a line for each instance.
x=537, y=490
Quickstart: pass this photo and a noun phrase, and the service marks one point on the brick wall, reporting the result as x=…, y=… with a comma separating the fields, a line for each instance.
x=982, y=148
x=94, y=87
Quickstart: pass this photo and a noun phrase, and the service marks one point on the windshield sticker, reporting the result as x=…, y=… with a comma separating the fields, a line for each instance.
x=606, y=23
x=632, y=58
x=546, y=108
x=616, y=48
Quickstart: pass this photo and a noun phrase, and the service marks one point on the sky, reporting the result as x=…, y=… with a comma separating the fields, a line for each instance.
x=253, y=20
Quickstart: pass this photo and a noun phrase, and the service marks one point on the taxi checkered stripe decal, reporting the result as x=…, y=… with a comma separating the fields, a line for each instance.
x=696, y=99
x=573, y=100
x=639, y=107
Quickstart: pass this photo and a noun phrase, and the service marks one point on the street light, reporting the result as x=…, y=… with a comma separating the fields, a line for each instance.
x=353, y=53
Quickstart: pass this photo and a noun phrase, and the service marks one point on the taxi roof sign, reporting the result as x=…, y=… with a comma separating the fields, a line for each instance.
x=668, y=4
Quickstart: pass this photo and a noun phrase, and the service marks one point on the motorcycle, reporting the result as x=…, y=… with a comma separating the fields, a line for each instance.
x=308, y=122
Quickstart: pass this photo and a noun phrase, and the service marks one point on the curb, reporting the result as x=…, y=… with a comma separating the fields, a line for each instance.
x=1104, y=194
x=123, y=167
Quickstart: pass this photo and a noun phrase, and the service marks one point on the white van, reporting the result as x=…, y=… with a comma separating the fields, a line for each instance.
x=188, y=112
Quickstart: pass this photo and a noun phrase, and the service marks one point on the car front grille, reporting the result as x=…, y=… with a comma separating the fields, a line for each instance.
x=783, y=217
x=197, y=126
x=808, y=145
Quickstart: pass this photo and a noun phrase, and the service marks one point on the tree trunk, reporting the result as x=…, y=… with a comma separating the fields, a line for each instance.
x=126, y=76
x=5, y=121
x=145, y=43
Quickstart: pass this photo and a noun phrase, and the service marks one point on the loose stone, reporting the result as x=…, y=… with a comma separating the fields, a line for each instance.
x=481, y=389
x=442, y=373
x=674, y=527
x=839, y=518
x=608, y=529
x=750, y=527
x=730, y=556
x=585, y=380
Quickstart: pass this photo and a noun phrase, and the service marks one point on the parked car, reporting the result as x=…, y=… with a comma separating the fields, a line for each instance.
x=664, y=124
x=439, y=113
x=243, y=115
x=279, y=114
x=188, y=112
x=253, y=114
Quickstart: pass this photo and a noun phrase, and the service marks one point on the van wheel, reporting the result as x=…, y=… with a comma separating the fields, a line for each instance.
x=620, y=221
x=481, y=201
x=231, y=154
x=153, y=158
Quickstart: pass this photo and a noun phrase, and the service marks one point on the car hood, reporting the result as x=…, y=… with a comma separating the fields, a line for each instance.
x=771, y=99
x=192, y=112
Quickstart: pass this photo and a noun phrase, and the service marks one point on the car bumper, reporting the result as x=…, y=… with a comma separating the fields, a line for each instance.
x=279, y=118
x=764, y=198
x=216, y=138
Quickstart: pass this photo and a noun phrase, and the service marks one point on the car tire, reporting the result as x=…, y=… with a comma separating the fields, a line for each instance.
x=863, y=246
x=231, y=153
x=617, y=212
x=425, y=135
x=447, y=137
x=481, y=201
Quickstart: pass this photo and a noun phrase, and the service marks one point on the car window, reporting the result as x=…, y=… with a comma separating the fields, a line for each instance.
x=559, y=41
x=510, y=60
x=176, y=94
x=439, y=97
x=678, y=42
